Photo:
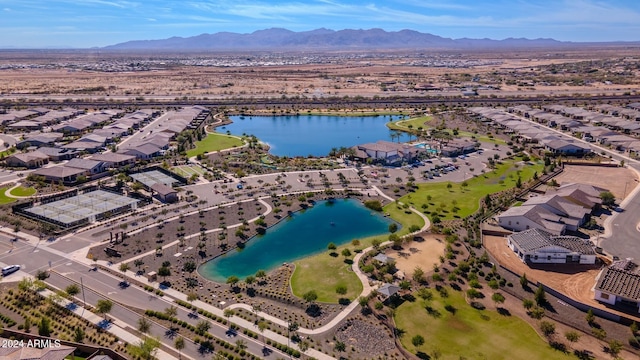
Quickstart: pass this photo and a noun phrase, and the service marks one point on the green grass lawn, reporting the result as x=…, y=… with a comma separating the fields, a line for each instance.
x=23, y=191
x=323, y=273
x=187, y=171
x=4, y=199
x=404, y=124
x=405, y=217
x=469, y=333
x=214, y=142
x=467, y=199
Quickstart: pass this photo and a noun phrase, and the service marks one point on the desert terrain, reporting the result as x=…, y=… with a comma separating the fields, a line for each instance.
x=116, y=76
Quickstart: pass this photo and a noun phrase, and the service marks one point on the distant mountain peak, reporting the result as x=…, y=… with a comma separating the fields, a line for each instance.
x=280, y=38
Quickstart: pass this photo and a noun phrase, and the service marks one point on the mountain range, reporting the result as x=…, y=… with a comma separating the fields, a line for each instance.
x=277, y=38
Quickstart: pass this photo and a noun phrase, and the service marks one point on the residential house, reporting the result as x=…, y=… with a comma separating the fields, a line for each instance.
x=552, y=213
x=59, y=154
x=92, y=167
x=541, y=247
x=114, y=160
x=30, y=160
x=619, y=284
x=67, y=175
x=143, y=152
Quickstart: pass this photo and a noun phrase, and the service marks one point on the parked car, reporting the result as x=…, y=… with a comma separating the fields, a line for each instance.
x=8, y=270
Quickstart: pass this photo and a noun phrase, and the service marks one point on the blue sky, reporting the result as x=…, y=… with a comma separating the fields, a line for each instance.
x=88, y=23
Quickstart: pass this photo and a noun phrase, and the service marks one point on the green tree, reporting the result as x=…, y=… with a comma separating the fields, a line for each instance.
x=189, y=266
x=548, y=328
x=78, y=334
x=614, y=348
x=104, y=307
x=164, y=271
x=310, y=296
x=608, y=199
x=145, y=349
x=572, y=336
x=72, y=290
x=331, y=246
x=497, y=298
x=144, y=325
x=418, y=275
x=590, y=317
x=524, y=282
x=171, y=311
x=340, y=346
x=179, y=345
x=124, y=267
x=393, y=227
x=262, y=326
x=417, y=341
x=539, y=296
x=341, y=289
x=202, y=327
x=44, y=327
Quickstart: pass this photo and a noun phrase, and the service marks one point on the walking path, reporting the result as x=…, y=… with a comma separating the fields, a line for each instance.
x=113, y=328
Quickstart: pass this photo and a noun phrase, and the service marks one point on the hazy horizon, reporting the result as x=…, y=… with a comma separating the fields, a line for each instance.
x=96, y=23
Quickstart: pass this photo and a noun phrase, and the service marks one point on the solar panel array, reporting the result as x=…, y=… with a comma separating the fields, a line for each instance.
x=81, y=207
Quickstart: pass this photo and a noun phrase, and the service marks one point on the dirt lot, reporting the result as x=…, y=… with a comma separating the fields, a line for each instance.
x=419, y=253
x=576, y=282
x=334, y=74
x=620, y=181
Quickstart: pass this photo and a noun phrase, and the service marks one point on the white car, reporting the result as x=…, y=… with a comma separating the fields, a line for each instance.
x=8, y=270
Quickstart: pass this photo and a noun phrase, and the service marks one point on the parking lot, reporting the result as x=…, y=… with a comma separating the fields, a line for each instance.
x=456, y=169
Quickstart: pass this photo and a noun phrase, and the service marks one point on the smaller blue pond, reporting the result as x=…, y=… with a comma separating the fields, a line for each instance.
x=303, y=234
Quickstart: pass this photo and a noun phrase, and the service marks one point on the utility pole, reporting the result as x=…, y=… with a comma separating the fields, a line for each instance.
x=84, y=302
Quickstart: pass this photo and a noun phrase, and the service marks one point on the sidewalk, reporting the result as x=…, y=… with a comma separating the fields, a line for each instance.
x=245, y=323
x=114, y=328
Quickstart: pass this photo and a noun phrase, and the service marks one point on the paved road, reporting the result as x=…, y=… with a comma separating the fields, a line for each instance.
x=124, y=317
x=100, y=285
x=621, y=237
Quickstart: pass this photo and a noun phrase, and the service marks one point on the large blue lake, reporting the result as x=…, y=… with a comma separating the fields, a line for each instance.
x=302, y=135
x=303, y=234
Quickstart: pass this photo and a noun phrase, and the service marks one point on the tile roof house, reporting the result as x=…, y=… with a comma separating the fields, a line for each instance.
x=553, y=213
x=582, y=194
x=146, y=151
x=60, y=352
x=542, y=247
x=619, y=284
x=114, y=160
x=30, y=160
x=67, y=175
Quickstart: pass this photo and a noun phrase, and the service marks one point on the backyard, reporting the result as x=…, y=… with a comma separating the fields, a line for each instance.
x=214, y=142
x=456, y=330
